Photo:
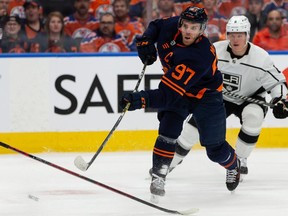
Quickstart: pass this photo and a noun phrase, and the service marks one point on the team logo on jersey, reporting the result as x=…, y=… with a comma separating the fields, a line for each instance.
x=105, y=8
x=231, y=82
x=172, y=43
x=81, y=33
x=109, y=47
x=18, y=10
x=125, y=33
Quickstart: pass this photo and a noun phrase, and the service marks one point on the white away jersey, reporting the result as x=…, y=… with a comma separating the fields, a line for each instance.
x=253, y=73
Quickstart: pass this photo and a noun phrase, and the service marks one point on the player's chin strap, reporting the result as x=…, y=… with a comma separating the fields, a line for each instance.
x=252, y=100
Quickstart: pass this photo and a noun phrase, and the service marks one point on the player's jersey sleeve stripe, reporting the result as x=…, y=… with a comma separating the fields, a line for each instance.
x=214, y=66
x=220, y=88
x=173, y=85
x=199, y=94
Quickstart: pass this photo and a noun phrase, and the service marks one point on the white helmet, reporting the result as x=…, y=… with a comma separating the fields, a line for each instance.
x=238, y=24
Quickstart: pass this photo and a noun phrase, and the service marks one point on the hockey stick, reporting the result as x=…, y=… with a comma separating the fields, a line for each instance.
x=252, y=100
x=190, y=211
x=79, y=161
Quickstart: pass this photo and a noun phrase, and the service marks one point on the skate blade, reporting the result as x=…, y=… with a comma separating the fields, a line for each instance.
x=155, y=198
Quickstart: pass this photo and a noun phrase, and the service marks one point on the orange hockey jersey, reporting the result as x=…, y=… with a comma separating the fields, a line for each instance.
x=16, y=7
x=129, y=30
x=80, y=28
x=96, y=43
x=99, y=7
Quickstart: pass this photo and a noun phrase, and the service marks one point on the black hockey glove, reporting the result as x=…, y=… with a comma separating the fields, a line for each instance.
x=280, y=110
x=137, y=100
x=146, y=50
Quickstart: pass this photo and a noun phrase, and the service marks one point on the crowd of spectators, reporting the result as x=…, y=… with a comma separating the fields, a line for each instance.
x=32, y=26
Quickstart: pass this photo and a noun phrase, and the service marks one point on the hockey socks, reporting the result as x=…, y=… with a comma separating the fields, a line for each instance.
x=163, y=153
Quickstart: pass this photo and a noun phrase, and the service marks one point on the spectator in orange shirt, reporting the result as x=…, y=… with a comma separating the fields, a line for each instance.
x=81, y=23
x=274, y=36
x=33, y=24
x=128, y=27
x=216, y=25
x=105, y=38
x=99, y=7
x=255, y=16
x=54, y=39
x=13, y=40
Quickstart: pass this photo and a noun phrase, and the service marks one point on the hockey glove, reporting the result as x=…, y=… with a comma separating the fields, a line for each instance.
x=146, y=50
x=137, y=100
x=280, y=110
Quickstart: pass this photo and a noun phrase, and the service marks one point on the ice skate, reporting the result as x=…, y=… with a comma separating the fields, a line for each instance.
x=233, y=177
x=243, y=168
x=157, y=188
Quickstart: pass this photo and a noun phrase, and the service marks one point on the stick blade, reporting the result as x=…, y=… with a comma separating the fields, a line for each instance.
x=154, y=199
x=189, y=211
x=80, y=163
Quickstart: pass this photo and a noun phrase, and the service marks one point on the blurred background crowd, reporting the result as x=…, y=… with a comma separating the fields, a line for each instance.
x=33, y=26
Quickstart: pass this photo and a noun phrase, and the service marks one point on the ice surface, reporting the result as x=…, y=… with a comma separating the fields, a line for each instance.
x=197, y=182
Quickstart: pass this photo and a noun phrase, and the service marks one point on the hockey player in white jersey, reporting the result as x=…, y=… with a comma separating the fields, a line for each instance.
x=249, y=71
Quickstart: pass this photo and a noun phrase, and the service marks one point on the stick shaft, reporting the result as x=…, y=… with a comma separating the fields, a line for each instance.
x=118, y=121
x=252, y=100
